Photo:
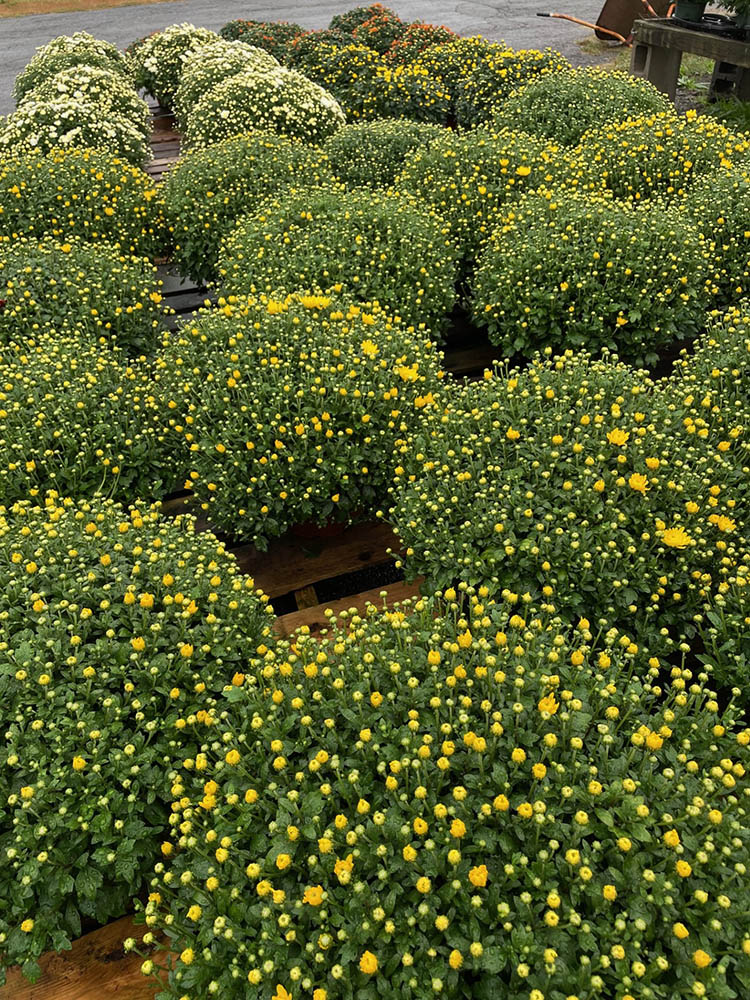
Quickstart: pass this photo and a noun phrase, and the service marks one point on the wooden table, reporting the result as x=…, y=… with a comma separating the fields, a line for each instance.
x=658, y=45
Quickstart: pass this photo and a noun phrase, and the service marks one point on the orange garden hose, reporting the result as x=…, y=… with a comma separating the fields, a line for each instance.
x=586, y=24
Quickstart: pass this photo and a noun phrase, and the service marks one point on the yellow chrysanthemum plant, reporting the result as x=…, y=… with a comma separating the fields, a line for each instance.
x=459, y=798
x=117, y=624
x=370, y=245
x=580, y=270
x=86, y=193
x=655, y=154
x=578, y=483
x=470, y=178
x=72, y=287
x=496, y=75
x=289, y=407
x=84, y=420
x=561, y=106
x=371, y=154
x=208, y=190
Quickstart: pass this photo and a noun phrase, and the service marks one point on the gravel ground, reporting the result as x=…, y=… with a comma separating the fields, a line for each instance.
x=516, y=23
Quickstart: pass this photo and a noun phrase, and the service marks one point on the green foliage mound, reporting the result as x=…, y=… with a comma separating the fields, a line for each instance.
x=575, y=270
x=562, y=106
x=296, y=404
x=719, y=206
x=275, y=37
x=157, y=62
x=210, y=189
x=78, y=418
x=603, y=496
x=86, y=193
x=470, y=177
x=416, y=39
x=89, y=289
x=373, y=246
x=117, y=624
x=371, y=154
x=65, y=52
x=436, y=800
x=496, y=75
x=274, y=100
x=380, y=32
x=655, y=154
x=350, y=20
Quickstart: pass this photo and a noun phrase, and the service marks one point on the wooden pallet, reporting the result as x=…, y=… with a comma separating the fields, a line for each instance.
x=96, y=968
x=165, y=141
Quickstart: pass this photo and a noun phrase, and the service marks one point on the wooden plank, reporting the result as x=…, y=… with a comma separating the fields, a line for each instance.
x=663, y=33
x=293, y=563
x=316, y=619
x=96, y=968
x=306, y=597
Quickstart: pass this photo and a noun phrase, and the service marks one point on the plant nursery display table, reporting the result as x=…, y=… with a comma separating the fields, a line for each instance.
x=658, y=46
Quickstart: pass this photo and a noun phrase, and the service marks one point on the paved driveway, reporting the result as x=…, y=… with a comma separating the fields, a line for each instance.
x=514, y=21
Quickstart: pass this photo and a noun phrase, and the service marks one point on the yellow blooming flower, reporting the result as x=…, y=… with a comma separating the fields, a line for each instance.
x=676, y=538
x=701, y=958
x=478, y=876
x=618, y=437
x=313, y=895
x=548, y=704
x=638, y=482
x=368, y=963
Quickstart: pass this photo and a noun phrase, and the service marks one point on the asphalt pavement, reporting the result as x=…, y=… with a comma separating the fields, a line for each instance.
x=513, y=21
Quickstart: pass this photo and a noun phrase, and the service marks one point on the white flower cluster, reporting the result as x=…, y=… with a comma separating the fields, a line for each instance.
x=66, y=51
x=109, y=91
x=67, y=122
x=158, y=62
x=276, y=100
x=212, y=64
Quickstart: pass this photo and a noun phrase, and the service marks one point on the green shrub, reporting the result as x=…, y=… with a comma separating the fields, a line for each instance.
x=304, y=52
x=86, y=193
x=105, y=89
x=371, y=154
x=117, y=624
x=631, y=278
x=76, y=287
x=278, y=100
x=437, y=801
x=718, y=205
x=562, y=106
x=65, y=52
x=452, y=62
x=368, y=87
x=212, y=64
x=497, y=74
x=380, y=31
x=209, y=189
x=374, y=247
x=470, y=177
x=416, y=39
x=276, y=37
x=76, y=417
x=350, y=20
x=70, y=123
x=158, y=61
x=655, y=154
x=295, y=404
x=576, y=483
